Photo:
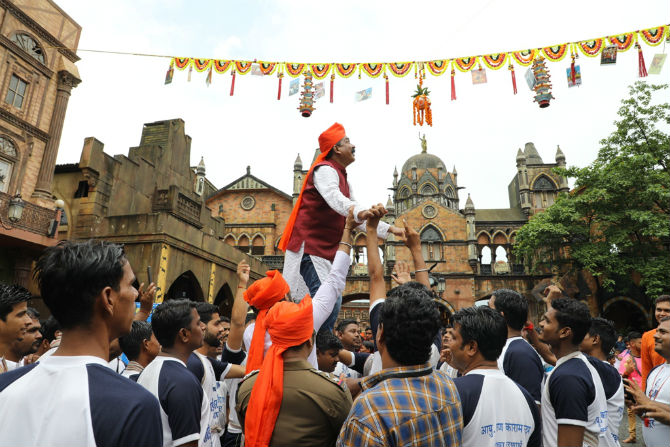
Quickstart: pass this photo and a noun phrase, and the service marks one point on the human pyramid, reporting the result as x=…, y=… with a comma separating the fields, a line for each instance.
x=282, y=371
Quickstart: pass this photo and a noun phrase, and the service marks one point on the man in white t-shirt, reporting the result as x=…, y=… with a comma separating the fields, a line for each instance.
x=185, y=410
x=140, y=346
x=487, y=394
x=574, y=408
x=653, y=405
x=88, y=287
x=14, y=320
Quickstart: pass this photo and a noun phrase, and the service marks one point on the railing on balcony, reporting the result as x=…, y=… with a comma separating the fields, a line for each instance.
x=35, y=218
x=274, y=262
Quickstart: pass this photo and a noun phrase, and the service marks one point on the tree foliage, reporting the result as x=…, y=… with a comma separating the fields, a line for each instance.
x=616, y=221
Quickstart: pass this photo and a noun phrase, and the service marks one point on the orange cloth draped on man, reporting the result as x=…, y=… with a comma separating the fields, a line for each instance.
x=262, y=295
x=289, y=324
x=327, y=140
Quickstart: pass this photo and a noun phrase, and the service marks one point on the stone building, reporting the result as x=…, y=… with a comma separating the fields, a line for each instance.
x=38, y=43
x=153, y=202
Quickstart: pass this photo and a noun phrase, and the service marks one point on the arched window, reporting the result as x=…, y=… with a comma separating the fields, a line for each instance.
x=230, y=240
x=543, y=184
x=258, y=246
x=431, y=243
x=243, y=243
x=428, y=190
x=404, y=193
x=8, y=158
x=29, y=45
x=544, y=192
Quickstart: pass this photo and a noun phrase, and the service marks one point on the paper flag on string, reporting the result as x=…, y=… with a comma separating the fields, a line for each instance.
x=479, y=76
x=608, y=55
x=530, y=79
x=363, y=94
x=256, y=70
x=319, y=90
x=657, y=64
x=578, y=76
x=293, y=87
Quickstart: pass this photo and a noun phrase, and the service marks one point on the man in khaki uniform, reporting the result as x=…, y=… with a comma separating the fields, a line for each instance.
x=312, y=405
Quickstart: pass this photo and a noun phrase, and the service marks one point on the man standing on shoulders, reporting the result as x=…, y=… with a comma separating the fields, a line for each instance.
x=140, y=346
x=184, y=407
x=88, y=287
x=654, y=405
x=597, y=343
x=518, y=360
x=648, y=356
x=574, y=408
x=496, y=410
x=312, y=232
x=288, y=403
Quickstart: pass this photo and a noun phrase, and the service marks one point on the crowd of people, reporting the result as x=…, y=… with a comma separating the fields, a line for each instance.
x=281, y=372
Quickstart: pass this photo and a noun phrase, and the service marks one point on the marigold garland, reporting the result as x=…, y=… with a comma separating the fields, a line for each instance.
x=438, y=68
x=221, y=66
x=372, y=70
x=346, y=70
x=200, y=65
x=524, y=57
x=591, y=48
x=494, y=61
x=295, y=70
x=555, y=53
x=181, y=62
x=654, y=36
x=465, y=64
x=320, y=71
x=623, y=42
x=399, y=69
x=243, y=67
x=267, y=68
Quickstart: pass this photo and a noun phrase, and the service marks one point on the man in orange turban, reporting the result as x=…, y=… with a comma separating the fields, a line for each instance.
x=310, y=238
x=288, y=402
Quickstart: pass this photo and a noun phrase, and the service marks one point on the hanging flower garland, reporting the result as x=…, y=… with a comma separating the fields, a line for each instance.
x=181, y=62
x=372, y=70
x=524, y=57
x=465, y=64
x=222, y=66
x=438, y=68
x=623, y=42
x=591, y=48
x=267, y=68
x=243, y=67
x=320, y=71
x=495, y=61
x=295, y=70
x=201, y=65
x=345, y=70
x=399, y=69
x=555, y=53
x=654, y=36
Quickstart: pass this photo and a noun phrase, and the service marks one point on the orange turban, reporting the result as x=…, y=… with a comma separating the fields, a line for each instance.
x=263, y=294
x=289, y=324
x=327, y=140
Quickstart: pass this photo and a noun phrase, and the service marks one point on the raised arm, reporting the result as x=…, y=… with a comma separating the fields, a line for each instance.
x=413, y=242
x=146, y=301
x=375, y=269
x=240, y=307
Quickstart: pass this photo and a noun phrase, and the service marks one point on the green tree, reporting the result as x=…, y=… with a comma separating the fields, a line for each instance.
x=616, y=221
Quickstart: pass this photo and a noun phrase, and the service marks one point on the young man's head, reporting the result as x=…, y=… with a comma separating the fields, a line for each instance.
x=408, y=323
x=600, y=339
x=14, y=318
x=225, y=325
x=635, y=343
x=327, y=349
x=209, y=316
x=478, y=336
x=662, y=339
x=368, y=333
x=88, y=284
x=177, y=325
x=349, y=334
x=565, y=323
x=140, y=345
x=662, y=307
x=512, y=306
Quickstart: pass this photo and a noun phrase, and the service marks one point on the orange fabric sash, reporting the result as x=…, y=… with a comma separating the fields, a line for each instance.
x=327, y=140
x=263, y=294
x=289, y=324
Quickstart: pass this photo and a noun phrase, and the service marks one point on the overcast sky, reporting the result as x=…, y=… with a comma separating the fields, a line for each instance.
x=479, y=133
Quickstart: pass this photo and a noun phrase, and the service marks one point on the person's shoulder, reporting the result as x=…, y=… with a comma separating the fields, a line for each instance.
x=570, y=371
x=114, y=389
x=320, y=377
x=175, y=372
x=8, y=378
x=248, y=380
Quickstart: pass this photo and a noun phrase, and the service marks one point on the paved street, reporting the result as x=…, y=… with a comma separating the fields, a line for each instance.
x=623, y=432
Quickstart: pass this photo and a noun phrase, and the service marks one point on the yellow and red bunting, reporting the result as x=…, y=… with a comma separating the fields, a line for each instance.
x=200, y=65
x=524, y=57
x=181, y=62
x=320, y=71
x=243, y=67
x=345, y=70
x=267, y=68
x=221, y=66
x=591, y=48
x=555, y=53
x=399, y=69
x=438, y=68
x=372, y=70
x=294, y=70
x=623, y=42
x=653, y=36
x=494, y=61
x=465, y=63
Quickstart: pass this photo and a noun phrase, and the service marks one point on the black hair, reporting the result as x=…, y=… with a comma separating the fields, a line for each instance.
x=49, y=328
x=33, y=313
x=326, y=340
x=342, y=325
x=513, y=305
x=662, y=298
x=369, y=345
x=604, y=329
x=206, y=310
x=633, y=335
x=10, y=296
x=131, y=344
x=225, y=319
x=573, y=314
x=410, y=321
x=251, y=316
x=484, y=325
x=368, y=328
x=169, y=318
x=72, y=274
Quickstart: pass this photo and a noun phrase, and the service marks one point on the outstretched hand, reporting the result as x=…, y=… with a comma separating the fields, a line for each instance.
x=243, y=270
x=375, y=214
x=401, y=273
x=350, y=222
x=146, y=301
x=412, y=238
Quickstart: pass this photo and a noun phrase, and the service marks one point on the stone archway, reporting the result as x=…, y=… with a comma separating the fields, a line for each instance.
x=626, y=313
x=224, y=300
x=185, y=286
